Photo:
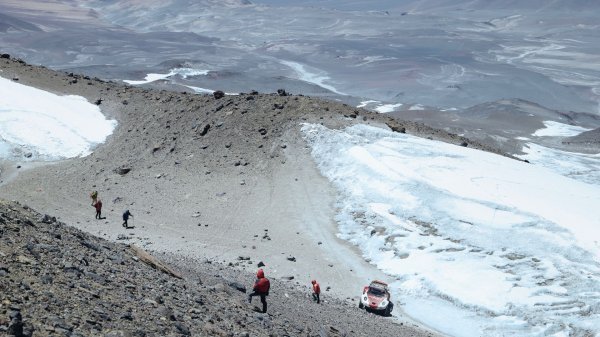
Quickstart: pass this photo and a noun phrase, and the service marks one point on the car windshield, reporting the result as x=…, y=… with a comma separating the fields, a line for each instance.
x=376, y=291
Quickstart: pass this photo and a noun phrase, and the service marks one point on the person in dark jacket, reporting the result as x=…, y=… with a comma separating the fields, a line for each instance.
x=126, y=216
x=261, y=288
x=316, y=291
x=98, y=206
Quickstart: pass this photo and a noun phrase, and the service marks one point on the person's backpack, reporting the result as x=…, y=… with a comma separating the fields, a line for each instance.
x=94, y=195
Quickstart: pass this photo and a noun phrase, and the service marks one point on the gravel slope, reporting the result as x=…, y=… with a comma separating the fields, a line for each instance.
x=60, y=281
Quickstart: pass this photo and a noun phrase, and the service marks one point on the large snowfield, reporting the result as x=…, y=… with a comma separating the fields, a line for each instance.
x=480, y=244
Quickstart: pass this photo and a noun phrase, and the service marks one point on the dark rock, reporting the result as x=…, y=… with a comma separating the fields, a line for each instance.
x=15, y=329
x=262, y=131
x=260, y=264
x=205, y=130
x=465, y=144
x=397, y=128
x=243, y=258
x=28, y=155
x=218, y=94
x=5, y=56
x=123, y=170
x=48, y=219
x=291, y=258
x=237, y=286
x=282, y=92
x=182, y=329
x=288, y=277
x=91, y=245
x=98, y=101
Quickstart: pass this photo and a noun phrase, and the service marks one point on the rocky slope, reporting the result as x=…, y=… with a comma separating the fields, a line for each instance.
x=59, y=281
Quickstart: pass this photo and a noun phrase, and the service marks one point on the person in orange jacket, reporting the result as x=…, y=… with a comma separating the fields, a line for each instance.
x=316, y=291
x=261, y=288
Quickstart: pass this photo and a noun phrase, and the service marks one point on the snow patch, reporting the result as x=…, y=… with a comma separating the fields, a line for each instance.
x=49, y=126
x=556, y=129
x=183, y=72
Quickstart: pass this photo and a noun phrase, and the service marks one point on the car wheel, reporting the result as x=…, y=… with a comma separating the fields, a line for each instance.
x=360, y=305
x=388, y=310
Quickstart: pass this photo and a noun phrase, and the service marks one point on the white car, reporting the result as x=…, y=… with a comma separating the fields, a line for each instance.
x=376, y=297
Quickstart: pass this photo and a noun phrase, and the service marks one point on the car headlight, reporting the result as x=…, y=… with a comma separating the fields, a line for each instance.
x=365, y=299
x=383, y=304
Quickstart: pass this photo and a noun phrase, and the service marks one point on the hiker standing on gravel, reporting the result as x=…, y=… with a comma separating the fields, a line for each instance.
x=126, y=216
x=98, y=206
x=94, y=197
x=261, y=288
x=316, y=288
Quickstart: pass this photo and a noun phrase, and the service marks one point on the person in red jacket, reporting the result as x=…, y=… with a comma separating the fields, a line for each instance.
x=261, y=288
x=316, y=291
x=98, y=206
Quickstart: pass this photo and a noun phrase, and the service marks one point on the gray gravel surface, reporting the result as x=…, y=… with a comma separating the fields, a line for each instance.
x=59, y=281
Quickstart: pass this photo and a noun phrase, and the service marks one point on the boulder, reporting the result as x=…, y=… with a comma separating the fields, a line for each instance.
x=123, y=170
x=218, y=94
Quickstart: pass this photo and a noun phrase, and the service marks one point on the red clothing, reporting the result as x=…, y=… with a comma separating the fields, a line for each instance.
x=262, y=284
x=316, y=287
x=98, y=205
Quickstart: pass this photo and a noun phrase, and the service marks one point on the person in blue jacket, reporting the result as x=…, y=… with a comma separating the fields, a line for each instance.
x=126, y=216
